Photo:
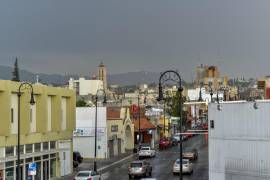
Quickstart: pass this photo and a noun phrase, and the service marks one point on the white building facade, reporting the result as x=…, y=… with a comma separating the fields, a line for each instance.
x=239, y=140
x=84, y=135
x=84, y=87
x=194, y=94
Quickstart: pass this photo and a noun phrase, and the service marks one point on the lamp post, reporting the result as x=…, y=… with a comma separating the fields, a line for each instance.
x=26, y=85
x=100, y=94
x=164, y=119
x=174, y=76
x=200, y=94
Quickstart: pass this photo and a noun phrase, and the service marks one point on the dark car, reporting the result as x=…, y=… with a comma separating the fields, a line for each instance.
x=77, y=157
x=174, y=141
x=189, y=153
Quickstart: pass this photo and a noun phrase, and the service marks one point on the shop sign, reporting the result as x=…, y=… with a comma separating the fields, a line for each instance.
x=32, y=170
x=88, y=131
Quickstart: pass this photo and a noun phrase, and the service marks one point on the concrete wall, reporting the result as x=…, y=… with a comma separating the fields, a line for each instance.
x=239, y=141
x=86, y=87
x=85, y=132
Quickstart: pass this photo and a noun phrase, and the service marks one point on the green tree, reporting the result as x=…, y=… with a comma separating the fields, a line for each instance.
x=173, y=105
x=81, y=103
x=15, y=73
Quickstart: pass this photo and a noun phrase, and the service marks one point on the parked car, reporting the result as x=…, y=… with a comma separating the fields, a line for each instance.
x=164, y=143
x=188, y=134
x=177, y=137
x=205, y=126
x=147, y=152
x=189, y=153
x=139, y=168
x=187, y=166
x=174, y=140
x=87, y=175
x=77, y=157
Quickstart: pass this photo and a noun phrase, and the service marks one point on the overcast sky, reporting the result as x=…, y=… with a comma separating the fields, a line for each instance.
x=73, y=36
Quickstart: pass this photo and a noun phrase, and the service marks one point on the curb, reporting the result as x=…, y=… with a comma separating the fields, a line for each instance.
x=115, y=163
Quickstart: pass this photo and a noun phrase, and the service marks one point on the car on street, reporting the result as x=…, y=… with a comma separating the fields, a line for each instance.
x=87, y=175
x=140, y=168
x=187, y=167
x=205, y=126
x=164, y=143
x=177, y=137
x=147, y=152
x=174, y=140
x=188, y=134
x=189, y=153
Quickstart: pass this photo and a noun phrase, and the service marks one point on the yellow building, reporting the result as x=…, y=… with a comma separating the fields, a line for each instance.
x=120, y=130
x=167, y=127
x=46, y=131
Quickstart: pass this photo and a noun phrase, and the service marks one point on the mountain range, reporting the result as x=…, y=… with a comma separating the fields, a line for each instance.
x=130, y=78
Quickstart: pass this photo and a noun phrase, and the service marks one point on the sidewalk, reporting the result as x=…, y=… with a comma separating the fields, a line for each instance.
x=102, y=164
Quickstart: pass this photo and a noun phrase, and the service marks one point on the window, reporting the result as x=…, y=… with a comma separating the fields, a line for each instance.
x=10, y=173
x=37, y=158
x=52, y=145
x=45, y=156
x=64, y=113
x=28, y=160
x=114, y=128
x=49, y=112
x=37, y=147
x=9, y=151
x=45, y=146
x=29, y=148
x=212, y=125
x=53, y=168
x=52, y=155
x=21, y=149
x=12, y=115
x=10, y=164
x=31, y=115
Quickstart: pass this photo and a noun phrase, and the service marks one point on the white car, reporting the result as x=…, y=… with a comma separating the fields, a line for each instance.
x=186, y=164
x=147, y=152
x=87, y=175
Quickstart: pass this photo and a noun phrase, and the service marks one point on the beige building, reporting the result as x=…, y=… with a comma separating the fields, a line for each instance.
x=120, y=130
x=46, y=131
x=210, y=75
x=102, y=74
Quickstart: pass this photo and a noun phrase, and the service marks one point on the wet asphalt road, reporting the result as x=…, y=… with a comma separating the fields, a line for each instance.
x=163, y=163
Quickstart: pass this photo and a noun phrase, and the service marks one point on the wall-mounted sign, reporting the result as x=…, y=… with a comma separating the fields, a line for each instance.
x=32, y=169
x=88, y=131
x=114, y=128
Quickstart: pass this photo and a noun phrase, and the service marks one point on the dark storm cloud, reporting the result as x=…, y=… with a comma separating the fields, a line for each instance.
x=72, y=37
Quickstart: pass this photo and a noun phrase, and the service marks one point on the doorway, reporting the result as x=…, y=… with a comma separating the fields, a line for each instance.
x=46, y=170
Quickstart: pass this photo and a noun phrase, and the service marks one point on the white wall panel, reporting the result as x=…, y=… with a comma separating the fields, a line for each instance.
x=239, y=143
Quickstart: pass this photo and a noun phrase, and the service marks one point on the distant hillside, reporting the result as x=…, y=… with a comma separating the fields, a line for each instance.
x=134, y=78
x=55, y=79
x=131, y=78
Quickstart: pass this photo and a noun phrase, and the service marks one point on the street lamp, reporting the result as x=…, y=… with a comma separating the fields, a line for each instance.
x=100, y=94
x=26, y=85
x=174, y=76
x=200, y=94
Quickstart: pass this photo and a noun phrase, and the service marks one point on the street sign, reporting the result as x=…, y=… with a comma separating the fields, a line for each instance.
x=32, y=169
